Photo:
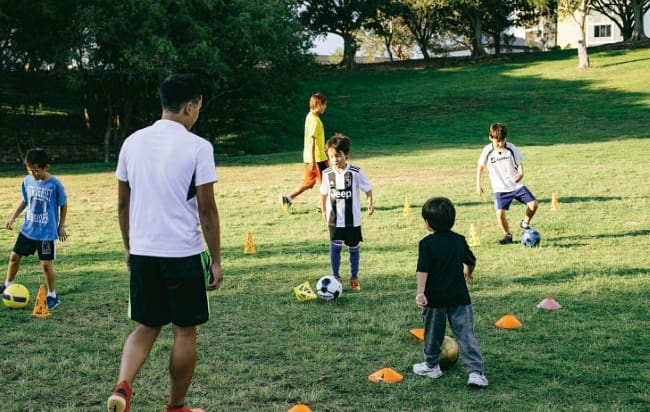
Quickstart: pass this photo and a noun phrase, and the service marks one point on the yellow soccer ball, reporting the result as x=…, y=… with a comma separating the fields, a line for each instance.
x=448, y=353
x=15, y=296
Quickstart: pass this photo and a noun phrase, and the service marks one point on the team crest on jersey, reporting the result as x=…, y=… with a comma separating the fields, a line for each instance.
x=348, y=179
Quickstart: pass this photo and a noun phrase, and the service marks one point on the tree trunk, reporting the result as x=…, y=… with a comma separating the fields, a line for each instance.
x=109, y=128
x=638, y=33
x=583, y=55
x=349, y=51
x=477, y=45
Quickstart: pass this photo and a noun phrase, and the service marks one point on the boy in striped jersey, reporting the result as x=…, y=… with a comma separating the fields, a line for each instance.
x=506, y=169
x=340, y=203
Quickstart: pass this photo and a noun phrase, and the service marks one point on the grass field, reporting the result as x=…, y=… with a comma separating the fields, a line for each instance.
x=585, y=135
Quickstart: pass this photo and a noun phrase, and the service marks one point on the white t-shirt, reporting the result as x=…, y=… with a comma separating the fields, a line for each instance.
x=344, y=189
x=163, y=164
x=502, y=167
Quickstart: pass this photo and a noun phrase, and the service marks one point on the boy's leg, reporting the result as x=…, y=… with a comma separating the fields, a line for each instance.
x=531, y=208
x=181, y=363
x=355, y=257
x=12, y=267
x=335, y=257
x=435, y=323
x=50, y=278
x=502, y=221
x=136, y=351
x=461, y=319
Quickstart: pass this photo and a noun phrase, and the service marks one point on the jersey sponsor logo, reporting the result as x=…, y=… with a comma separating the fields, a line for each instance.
x=340, y=194
x=499, y=158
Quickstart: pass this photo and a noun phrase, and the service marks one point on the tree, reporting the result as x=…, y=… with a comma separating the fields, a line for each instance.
x=499, y=16
x=578, y=10
x=341, y=17
x=468, y=18
x=390, y=27
x=425, y=19
x=640, y=8
x=620, y=12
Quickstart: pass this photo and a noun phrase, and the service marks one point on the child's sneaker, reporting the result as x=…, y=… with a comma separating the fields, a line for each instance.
x=423, y=369
x=354, y=285
x=120, y=400
x=477, y=379
x=52, y=302
x=507, y=239
x=523, y=225
x=286, y=202
x=184, y=408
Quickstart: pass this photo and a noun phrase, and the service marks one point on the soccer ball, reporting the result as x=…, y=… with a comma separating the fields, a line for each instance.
x=329, y=288
x=448, y=353
x=530, y=238
x=15, y=296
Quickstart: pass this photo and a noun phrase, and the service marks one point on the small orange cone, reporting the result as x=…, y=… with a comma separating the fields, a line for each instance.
x=417, y=333
x=249, y=248
x=508, y=322
x=40, y=307
x=473, y=236
x=386, y=375
x=300, y=408
x=555, y=205
x=407, y=206
x=549, y=304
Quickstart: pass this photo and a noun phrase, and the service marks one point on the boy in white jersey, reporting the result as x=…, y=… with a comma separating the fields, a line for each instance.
x=340, y=203
x=506, y=169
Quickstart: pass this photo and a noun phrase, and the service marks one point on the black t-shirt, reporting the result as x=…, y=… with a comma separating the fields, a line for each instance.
x=442, y=255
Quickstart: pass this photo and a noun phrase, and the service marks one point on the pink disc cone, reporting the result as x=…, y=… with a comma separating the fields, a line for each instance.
x=549, y=304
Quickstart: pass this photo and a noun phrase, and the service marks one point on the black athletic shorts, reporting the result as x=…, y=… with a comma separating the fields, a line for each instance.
x=165, y=290
x=351, y=236
x=25, y=246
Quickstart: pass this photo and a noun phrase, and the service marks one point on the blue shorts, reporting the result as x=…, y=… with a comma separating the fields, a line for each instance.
x=165, y=290
x=502, y=200
x=25, y=246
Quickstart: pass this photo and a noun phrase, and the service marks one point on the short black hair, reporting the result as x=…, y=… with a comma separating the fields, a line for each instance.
x=340, y=143
x=37, y=156
x=178, y=89
x=440, y=214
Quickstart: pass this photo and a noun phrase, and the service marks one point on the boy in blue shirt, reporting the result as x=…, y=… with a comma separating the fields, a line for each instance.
x=46, y=206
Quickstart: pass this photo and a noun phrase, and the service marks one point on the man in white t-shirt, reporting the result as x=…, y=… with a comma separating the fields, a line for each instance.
x=505, y=166
x=165, y=192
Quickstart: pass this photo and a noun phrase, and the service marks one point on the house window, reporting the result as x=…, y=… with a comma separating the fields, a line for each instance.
x=603, y=31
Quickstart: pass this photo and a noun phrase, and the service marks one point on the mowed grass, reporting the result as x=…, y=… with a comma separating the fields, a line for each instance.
x=416, y=134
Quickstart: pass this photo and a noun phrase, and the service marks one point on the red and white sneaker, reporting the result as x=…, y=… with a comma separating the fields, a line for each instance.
x=355, y=285
x=120, y=399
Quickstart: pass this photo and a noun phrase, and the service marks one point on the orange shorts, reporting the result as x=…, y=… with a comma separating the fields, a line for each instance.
x=314, y=175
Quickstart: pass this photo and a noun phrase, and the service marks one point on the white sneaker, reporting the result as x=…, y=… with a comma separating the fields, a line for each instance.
x=477, y=379
x=423, y=369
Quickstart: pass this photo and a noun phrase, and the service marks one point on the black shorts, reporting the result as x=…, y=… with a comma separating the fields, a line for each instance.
x=165, y=290
x=25, y=246
x=351, y=236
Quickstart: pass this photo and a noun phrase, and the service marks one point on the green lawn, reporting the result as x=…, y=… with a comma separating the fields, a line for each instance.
x=585, y=135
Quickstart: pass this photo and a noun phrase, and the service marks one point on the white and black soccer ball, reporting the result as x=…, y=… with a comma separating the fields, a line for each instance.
x=329, y=288
x=530, y=238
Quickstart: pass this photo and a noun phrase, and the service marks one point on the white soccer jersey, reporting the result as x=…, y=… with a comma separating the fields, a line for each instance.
x=163, y=164
x=502, y=167
x=344, y=189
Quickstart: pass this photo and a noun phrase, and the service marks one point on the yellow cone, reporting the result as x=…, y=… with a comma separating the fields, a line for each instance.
x=386, y=375
x=508, y=322
x=303, y=292
x=417, y=333
x=249, y=248
x=555, y=205
x=473, y=236
x=40, y=308
x=407, y=206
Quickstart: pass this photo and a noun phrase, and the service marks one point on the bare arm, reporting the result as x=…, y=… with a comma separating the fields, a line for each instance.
x=312, y=150
x=420, y=298
x=123, y=205
x=479, y=174
x=371, y=207
x=520, y=174
x=63, y=212
x=209, y=218
x=19, y=209
x=469, y=269
x=323, y=205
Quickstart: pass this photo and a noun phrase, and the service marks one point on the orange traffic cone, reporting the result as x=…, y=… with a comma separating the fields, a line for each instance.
x=508, y=322
x=300, y=408
x=417, y=333
x=549, y=304
x=386, y=375
x=249, y=248
x=40, y=307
